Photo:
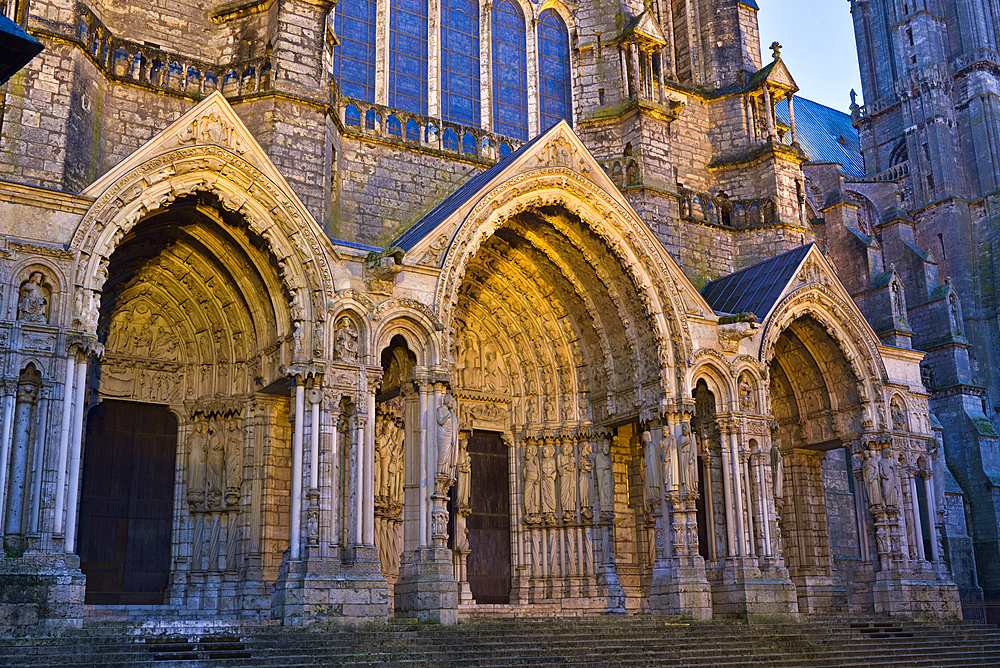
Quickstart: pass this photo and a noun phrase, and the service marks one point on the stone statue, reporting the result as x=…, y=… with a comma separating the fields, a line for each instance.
x=548, y=480
x=197, y=446
x=668, y=450
x=464, y=477
x=898, y=311
x=33, y=305
x=216, y=457
x=396, y=465
x=346, y=345
x=954, y=315
x=689, y=459
x=605, y=477
x=898, y=416
x=586, y=466
x=870, y=474
x=651, y=470
x=777, y=471
x=382, y=457
x=531, y=478
x=447, y=437
x=747, y=401
x=566, y=463
x=234, y=457
x=889, y=475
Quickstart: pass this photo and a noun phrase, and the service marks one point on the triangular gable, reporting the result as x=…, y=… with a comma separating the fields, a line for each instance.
x=426, y=243
x=645, y=27
x=776, y=74
x=210, y=122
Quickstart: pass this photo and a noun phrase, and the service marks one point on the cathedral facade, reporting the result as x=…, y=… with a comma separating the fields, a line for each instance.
x=446, y=310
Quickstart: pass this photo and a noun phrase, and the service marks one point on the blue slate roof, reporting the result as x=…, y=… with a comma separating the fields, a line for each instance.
x=17, y=48
x=454, y=201
x=819, y=130
x=757, y=288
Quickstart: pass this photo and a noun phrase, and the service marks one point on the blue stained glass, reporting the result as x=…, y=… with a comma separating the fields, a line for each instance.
x=553, y=70
x=510, y=72
x=460, y=61
x=408, y=55
x=354, y=57
x=450, y=139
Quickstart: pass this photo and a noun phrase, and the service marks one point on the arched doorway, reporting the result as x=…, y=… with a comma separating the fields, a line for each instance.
x=816, y=403
x=196, y=321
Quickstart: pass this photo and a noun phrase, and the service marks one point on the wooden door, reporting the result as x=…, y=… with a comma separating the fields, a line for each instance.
x=489, y=564
x=126, y=503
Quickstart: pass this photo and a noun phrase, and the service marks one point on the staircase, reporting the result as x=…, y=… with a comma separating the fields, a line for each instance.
x=587, y=642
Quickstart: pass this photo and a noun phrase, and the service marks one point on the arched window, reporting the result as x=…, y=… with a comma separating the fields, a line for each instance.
x=553, y=70
x=408, y=55
x=354, y=57
x=460, y=61
x=510, y=71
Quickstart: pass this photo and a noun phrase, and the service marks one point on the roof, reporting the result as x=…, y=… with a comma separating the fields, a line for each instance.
x=454, y=201
x=819, y=129
x=17, y=48
x=755, y=289
x=752, y=4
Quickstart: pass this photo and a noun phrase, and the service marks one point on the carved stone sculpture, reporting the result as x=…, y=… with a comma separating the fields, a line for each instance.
x=668, y=450
x=548, y=466
x=586, y=466
x=651, y=470
x=889, y=476
x=346, y=345
x=748, y=402
x=777, y=471
x=464, y=477
x=234, y=461
x=447, y=437
x=33, y=303
x=870, y=473
x=216, y=459
x=567, y=481
x=688, y=459
x=197, y=446
x=605, y=477
x=531, y=482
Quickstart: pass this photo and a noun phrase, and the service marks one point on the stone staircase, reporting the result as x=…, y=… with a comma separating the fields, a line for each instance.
x=630, y=642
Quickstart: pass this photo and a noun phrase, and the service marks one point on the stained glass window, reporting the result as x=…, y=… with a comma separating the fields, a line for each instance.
x=354, y=57
x=510, y=71
x=408, y=55
x=553, y=70
x=460, y=61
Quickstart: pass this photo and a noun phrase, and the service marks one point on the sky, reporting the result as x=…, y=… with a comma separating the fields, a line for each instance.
x=817, y=39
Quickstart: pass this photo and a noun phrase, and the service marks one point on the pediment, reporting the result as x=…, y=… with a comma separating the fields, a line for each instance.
x=427, y=242
x=648, y=28
x=780, y=76
x=211, y=122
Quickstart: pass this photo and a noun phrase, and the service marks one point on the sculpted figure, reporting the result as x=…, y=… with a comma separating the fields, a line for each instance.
x=234, y=456
x=605, y=477
x=447, y=437
x=870, y=473
x=777, y=471
x=889, y=474
x=396, y=467
x=346, y=345
x=668, y=450
x=464, y=476
x=747, y=402
x=381, y=457
x=197, y=444
x=531, y=478
x=33, y=304
x=548, y=479
x=216, y=461
x=689, y=459
x=651, y=470
x=567, y=481
x=586, y=466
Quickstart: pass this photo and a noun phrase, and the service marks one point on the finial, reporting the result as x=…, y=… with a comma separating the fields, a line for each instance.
x=775, y=50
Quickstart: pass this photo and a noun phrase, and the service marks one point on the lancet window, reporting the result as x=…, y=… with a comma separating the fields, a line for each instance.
x=408, y=55
x=460, y=61
x=553, y=70
x=354, y=56
x=510, y=71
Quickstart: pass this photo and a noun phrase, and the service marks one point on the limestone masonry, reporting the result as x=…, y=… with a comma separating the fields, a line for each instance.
x=439, y=310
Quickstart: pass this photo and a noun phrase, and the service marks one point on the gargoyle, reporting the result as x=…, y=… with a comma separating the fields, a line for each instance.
x=733, y=329
x=381, y=269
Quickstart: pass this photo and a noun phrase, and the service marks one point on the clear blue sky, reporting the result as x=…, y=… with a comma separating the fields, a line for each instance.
x=817, y=39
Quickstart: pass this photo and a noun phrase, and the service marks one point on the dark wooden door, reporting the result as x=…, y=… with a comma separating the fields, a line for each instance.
x=488, y=565
x=126, y=503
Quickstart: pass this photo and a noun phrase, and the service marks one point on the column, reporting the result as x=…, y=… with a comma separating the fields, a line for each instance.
x=765, y=511
x=709, y=504
x=727, y=491
x=534, y=112
x=626, y=88
x=64, y=429
x=636, y=74
x=41, y=434
x=295, y=511
x=929, y=492
x=918, y=534
x=734, y=460
x=791, y=118
x=486, y=65
x=663, y=65
x=17, y=481
x=74, y=459
x=9, y=392
x=769, y=114
x=748, y=500
x=369, y=478
x=424, y=499
x=336, y=480
x=312, y=511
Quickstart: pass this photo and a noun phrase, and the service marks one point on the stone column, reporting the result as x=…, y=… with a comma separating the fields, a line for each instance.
x=486, y=65
x=636, y=74
x=9, y=395
x=72, y=496
x=64, y=431
x=929, y=492
x=626, y=87
x=791, y=118
x=765, y=519
x=727, y=491
x=315, y=398
x=424, y=500
x=737, y=486
x=295, y=509
x=41, y=440
x=368, y=494
x=663, y=65
x=18, y=476
x=918, y=535
x=769, y=114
